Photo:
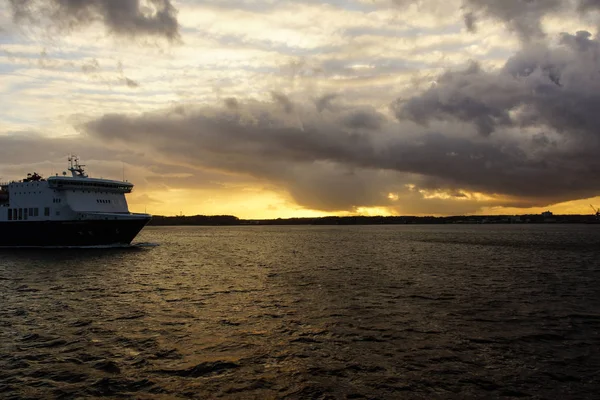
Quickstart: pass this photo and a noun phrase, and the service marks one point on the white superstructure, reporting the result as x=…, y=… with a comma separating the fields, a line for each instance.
x=64, y=198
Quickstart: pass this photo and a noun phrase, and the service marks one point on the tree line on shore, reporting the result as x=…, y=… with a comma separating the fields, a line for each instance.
x=220, y=220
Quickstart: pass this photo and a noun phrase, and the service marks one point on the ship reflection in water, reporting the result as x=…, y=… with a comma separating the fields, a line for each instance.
x=308, y=312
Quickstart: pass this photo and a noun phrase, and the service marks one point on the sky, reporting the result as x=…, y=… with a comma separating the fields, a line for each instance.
x=273, y=108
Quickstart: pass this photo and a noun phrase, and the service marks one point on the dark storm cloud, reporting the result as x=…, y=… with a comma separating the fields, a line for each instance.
x=538, y=87
x=464, y=96
x=542, y=106
x=258, y=139
x=122, y=17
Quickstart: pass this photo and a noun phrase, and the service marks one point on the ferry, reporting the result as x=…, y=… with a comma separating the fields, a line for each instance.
x=67, y=211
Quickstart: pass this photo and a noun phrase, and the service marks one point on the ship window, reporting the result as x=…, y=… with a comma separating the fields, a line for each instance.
x=47, y=211
x=10, y=214
x=36, y=212
x=58, y=213
x=20, y=213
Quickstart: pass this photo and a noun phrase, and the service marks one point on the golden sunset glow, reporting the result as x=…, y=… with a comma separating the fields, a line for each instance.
x=250, y=204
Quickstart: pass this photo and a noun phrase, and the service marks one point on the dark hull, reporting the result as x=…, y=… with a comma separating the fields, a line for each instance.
x=70, y=233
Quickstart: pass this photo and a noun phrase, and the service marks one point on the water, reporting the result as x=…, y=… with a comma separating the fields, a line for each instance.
x=386, y=312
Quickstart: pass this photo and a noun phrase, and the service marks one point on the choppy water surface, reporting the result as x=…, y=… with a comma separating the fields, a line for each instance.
x=308, y=312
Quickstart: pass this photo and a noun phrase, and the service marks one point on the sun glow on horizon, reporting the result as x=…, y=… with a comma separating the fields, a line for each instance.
x=272, y=205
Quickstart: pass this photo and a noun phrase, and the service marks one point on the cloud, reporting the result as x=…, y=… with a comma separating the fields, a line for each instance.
x=539, y=87
x=142, y=199
x=325, y=102
x=47, y=155
x=363, y=119
x=90, y=66
x=542, y=106
x=523, y=16
x=462, y=95
x=470, y=21
x=283, y=101
x=122, y=17
x=131, y=83
x=511, y=133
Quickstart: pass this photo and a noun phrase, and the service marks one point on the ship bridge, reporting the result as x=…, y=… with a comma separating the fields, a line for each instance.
x=89, y=184
x=80, y=181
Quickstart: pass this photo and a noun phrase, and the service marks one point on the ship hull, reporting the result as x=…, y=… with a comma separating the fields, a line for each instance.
x=70, y=233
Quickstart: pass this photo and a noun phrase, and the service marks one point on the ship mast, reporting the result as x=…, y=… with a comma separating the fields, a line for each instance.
x=76, y=169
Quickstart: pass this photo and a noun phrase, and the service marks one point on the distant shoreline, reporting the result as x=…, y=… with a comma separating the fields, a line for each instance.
x=230, y=220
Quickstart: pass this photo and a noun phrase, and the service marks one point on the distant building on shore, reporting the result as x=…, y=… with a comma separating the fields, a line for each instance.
x=548, y=216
